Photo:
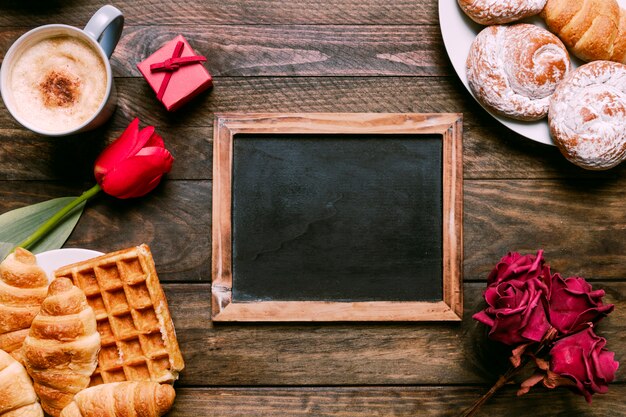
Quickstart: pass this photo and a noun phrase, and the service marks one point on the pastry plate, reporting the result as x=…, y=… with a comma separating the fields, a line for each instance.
x=458, y=32
x=52, y=260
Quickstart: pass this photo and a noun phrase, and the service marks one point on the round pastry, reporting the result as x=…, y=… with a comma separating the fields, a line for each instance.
x=588, y=115
x=492, y=12
x=513, y=70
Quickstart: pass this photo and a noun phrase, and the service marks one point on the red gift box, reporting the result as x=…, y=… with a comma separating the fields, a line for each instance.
x=175, y=73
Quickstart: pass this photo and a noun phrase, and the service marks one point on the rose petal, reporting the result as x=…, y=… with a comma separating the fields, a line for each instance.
x=155, y=141
x=484, y=318
x=534, y=379
x=572, y=303
x=582, y=358
x=117, y=151
x=514, y=266
x=138, y=175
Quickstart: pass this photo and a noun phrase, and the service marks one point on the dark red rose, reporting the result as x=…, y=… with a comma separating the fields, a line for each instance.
x=516, y=311
x=573, y=304
x=514, y=266
x=581, y=363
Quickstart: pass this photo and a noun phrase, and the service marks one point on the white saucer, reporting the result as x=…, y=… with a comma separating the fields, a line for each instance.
x=458, y=32
x=52, y=260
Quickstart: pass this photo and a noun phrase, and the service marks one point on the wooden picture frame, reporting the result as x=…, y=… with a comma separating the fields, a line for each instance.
x=226, y=126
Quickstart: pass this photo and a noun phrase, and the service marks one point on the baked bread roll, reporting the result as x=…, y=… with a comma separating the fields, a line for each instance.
x=122, y=399
x=492, y=12
x=61, y=350
x=588, y=115
x=17, y=396
x=23, y=286
x=513, y=70
x=592, y=29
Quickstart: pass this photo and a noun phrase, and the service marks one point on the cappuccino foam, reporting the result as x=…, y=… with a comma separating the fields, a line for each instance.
x=58, y=83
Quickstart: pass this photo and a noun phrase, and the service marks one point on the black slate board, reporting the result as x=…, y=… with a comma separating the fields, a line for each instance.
x=337, y=217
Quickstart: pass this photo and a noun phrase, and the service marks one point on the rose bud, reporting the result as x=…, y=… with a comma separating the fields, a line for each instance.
x=515, y=266
x=573, y=304
x=580, y=362
x=516, y=311
x=133, y=165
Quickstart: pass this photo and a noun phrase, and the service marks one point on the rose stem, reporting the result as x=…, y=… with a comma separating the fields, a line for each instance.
x=56, y=219
x=547, y=339
x=499, y=384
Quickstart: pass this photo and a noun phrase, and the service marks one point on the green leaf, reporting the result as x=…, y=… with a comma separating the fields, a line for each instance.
x=16, y=225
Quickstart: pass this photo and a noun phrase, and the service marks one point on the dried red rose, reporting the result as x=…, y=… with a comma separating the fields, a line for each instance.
x=581, y=363
x=514, y=266
x=516, y=311
x=517, y=294
x=573, y=304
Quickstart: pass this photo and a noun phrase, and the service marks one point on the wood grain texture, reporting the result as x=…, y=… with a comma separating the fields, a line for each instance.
x=235, y=50
x=490, y=150
x=323, y=56
x=388, y=402
x=229, y=354
x=174, y=220
x=267, y=12
x=27, y=156
x=579, y=223
x=306, y=50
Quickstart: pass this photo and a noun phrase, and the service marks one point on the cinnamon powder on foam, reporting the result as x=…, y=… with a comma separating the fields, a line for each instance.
x=58, y=83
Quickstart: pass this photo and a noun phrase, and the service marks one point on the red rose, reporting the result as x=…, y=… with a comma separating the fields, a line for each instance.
x=133, y=165
x=518, y=267
x=581, y=363
x=573, y=303
x=516, y=311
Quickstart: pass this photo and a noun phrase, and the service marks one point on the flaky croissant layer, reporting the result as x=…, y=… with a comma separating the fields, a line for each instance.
x=23, y=287
x=122, y=399
x=17, y=396
x=61, y=350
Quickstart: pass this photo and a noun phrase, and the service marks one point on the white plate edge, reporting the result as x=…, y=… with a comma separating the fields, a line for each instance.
x=52, y=260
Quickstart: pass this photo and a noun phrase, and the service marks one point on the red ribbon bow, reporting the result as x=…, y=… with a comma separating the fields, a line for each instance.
x=172, y=64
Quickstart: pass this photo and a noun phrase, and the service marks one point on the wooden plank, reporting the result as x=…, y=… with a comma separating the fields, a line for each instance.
x=580, y=224
x=490, y=150
x=27, y=156
x=296, y=94
x=306, y=50
x=389, y=401
x=350, y=354
x=267, y=12
x=174, y=220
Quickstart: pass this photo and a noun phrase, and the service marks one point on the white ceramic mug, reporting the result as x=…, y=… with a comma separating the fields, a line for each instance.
x=102, y=32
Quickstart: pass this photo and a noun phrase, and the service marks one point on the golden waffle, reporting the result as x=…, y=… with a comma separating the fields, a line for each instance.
x=138, y=338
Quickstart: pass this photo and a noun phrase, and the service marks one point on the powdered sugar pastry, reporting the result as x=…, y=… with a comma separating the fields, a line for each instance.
x=489, y=12
x=513, y=70
x=588, y=115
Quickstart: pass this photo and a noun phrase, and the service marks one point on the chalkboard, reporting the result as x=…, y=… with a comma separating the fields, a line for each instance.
x=337, y=217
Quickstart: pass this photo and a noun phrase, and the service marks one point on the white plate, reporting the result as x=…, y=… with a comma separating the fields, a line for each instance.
x=52, y=260
x=458, y=32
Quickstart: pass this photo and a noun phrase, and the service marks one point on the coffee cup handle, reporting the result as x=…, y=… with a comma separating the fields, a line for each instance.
x=105, y=26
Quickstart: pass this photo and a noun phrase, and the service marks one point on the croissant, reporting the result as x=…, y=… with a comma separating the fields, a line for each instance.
x=122, y=399
x=17, y=396
x=61, y=350
x=23, y=286
x=592, y=29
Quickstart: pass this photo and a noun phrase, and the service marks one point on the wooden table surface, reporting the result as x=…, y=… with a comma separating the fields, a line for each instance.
x=323, y=56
